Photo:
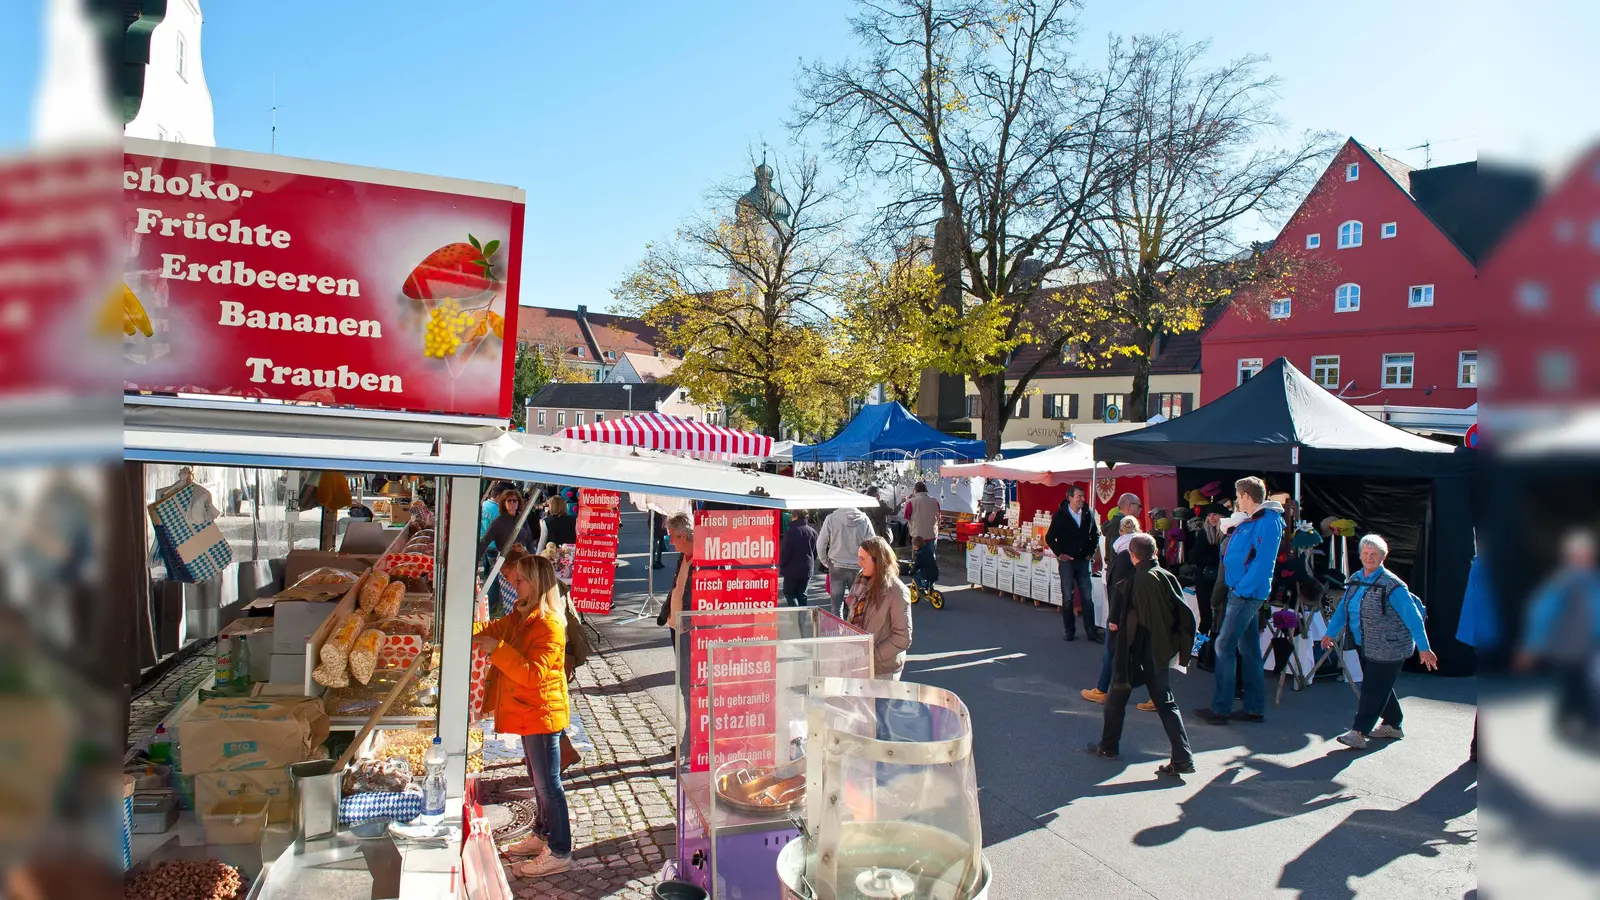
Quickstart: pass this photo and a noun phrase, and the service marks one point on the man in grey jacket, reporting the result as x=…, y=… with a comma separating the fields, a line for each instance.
x=841, y=536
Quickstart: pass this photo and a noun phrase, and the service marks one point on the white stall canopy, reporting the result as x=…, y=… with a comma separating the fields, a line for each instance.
x=226, y=435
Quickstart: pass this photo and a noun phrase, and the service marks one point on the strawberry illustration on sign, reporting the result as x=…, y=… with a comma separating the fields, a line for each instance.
x=454, y=270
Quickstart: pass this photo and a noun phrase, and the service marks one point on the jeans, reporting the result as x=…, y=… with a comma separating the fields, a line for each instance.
x=840, y=578
x=543, y=753
x=499, y=605
x=1576, y=700
x=1075, y=573
x=1240, y=639
x=1157, y=681
x=1104, y=684
x=794, y=589
x=1377, y=694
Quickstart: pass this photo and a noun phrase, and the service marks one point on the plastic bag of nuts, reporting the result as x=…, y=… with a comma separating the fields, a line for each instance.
x=186, y=879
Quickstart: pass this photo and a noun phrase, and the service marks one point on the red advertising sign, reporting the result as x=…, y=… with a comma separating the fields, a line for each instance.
x=59, y=252
x=736, y=537
x=744, y=708
x=720, y=589
x=594, y=559
x=267, y=276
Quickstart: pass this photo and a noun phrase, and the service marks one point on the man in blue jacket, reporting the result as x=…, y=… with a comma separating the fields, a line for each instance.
x=1247, y=570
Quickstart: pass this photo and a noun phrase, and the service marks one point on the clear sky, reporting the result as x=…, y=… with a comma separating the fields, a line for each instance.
x=617, y=117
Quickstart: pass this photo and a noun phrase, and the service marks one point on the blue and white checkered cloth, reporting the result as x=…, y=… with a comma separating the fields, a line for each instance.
x=401, y=806
x=191, y=545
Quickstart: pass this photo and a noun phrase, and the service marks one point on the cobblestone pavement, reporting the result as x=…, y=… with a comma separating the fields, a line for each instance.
x=620, y=795
x=152, y=704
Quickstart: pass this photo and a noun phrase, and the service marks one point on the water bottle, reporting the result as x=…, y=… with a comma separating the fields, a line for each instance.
x=241, y=668
x=161, y=747
x=433, y=785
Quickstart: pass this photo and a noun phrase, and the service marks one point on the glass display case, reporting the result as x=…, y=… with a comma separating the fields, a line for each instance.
x=744, y=677
x=891, y=800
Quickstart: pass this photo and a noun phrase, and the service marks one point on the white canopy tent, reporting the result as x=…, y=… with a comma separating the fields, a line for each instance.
x=1070, y=461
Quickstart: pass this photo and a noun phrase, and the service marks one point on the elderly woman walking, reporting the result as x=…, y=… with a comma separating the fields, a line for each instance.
x=1386, y=621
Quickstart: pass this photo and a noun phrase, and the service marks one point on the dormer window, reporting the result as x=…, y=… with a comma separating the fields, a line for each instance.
x=579, y=351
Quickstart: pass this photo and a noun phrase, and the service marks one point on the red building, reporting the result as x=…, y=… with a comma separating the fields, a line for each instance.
x=1541, y=290
x=1389, y=311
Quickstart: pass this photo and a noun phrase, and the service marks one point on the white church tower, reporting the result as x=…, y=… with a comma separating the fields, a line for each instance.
x=177, y=103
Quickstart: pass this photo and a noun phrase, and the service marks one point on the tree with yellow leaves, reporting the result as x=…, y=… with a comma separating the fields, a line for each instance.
x=747, y=291
x=984, y=131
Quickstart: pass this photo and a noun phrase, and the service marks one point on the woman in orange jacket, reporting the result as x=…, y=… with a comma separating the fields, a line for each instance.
x=527, y=692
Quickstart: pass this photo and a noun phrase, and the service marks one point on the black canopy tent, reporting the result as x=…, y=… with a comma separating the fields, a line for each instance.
x=1414, y=491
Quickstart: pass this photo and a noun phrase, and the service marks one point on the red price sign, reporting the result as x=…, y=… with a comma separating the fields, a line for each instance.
x=744, y=708
x=721, y=589
x=594, y=559
x=736, y=537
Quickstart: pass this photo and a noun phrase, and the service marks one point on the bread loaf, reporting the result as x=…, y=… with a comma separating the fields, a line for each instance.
x=364, y=655
x=336, y=649
x=389, y=601
x=329, y=675
x=371, y=589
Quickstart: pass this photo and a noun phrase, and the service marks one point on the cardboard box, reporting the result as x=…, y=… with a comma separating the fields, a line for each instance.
x=234, y=734
x=287, y=668
x=214, y=788
x=295, y=621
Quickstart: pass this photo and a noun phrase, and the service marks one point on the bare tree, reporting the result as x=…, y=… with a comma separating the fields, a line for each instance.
x=747, y=290
x=1168, y=241
x=973, y=114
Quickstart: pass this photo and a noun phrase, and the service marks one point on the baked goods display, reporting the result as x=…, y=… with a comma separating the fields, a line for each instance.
x=186, y=879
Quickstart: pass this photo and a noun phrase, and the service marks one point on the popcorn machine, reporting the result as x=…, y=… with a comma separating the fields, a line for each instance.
x=891, y=799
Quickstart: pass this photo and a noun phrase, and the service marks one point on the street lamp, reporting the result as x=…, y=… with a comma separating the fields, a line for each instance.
x=629, y=389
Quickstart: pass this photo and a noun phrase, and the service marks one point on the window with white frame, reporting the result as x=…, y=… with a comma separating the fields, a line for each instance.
x=1352, y=172
x=183, y=57
x=1279, y=308
x=1347, y=298
x=1313, y=241
x=541, y=417
x=1349, y=235
x=1467, y=369
x=1389, y=230
x=599, y=416
x=561, y=419
x=1325, y=371
x=1532, y=297
x=1248, y=368
x=1557, y=370
x=1421, y=295
x=580, y=418
x=1594, y=234
x=973, y=409
x=1398, y=369
x=1594, y=298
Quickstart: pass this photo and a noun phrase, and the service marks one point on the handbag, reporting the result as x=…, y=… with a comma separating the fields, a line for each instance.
x=569, y=754
x=187, y=538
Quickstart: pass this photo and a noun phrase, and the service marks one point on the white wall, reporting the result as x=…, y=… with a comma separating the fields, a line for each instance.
x=177, y=106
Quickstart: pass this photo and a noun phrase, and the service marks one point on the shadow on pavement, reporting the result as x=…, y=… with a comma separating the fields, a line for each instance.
x=1369, y=839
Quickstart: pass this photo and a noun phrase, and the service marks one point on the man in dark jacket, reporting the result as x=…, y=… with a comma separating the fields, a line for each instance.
x=797, y=559
x=1074, y=538
x=1155, y=627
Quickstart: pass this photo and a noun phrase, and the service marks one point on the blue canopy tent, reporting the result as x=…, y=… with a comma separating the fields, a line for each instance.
x=889, y=431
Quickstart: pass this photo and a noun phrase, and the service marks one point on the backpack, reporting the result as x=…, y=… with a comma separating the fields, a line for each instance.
x=579, y=648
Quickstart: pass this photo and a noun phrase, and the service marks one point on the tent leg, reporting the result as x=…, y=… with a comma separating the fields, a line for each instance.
x=646, y=609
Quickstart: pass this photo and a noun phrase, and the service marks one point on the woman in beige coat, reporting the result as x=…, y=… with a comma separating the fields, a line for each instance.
x=880, y=605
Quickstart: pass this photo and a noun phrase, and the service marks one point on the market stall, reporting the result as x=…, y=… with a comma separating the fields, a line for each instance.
x=228, y=371
x=1341, y=464
x=675, y=434
x=887, y=448
x=1043, y=478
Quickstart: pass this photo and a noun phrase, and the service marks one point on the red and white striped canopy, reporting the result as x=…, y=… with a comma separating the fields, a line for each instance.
x=657, y=431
